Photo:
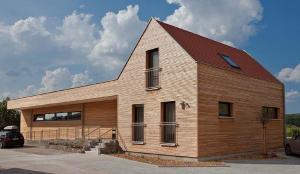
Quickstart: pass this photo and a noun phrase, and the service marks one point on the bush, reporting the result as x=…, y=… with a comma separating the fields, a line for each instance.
x=292, y=130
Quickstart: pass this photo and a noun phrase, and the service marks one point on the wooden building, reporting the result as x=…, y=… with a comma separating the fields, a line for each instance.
x=179, y=94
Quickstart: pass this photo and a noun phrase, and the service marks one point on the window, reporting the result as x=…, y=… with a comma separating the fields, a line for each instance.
x=230, y=61
x=168, y=123
x=270, y=112
x=39, y=117
x=50, y=117
x=62, y=116
x=138, y=124
x=152, y=69
x=225, y=109
x=59, y=116
x=74, y=116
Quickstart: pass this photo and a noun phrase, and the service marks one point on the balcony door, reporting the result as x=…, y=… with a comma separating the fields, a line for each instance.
x=152, y=69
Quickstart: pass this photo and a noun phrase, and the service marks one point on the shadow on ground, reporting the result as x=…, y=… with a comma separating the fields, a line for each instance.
x=19, y=171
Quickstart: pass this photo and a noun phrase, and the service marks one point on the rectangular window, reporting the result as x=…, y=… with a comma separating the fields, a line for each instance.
x=39, y=117
x=62, y=116
x=225, y=109
x=152, y=69
x=59, y=116
x=138, y=123
x=168, y=123
x=74, y=116
x=229, y=60
x=270, y=112
x=50, y=117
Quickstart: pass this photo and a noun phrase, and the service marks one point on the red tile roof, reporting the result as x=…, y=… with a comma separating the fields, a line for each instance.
x=208, y=51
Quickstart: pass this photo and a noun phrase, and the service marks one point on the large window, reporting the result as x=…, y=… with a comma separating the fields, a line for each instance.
x=168, y=123
x=270, y=112
x=152, y=69
x=225, y=109
x=59, y=116
x=138, y=123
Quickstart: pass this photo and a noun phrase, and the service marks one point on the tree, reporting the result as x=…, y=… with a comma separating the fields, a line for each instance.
x=265, y=118
x=8, y=117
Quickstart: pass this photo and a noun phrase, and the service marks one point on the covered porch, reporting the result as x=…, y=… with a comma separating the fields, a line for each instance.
x=89, y=119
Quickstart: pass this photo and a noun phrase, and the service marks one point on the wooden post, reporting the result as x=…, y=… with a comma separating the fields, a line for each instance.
x=42, y=135
x=30, y=129
x=82, y=122
x=55, y=134
x=99, y=133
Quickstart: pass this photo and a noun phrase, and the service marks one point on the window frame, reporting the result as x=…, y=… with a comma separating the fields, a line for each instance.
x=275, y=109
x=55, y=116
x=229, y=61
x=134, y=122
x=154, y=69
x=162, y=124
x=230, y=110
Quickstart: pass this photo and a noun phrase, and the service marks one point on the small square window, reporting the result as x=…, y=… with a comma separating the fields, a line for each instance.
x=229, y=60
x=225, y=109
x=270, y=112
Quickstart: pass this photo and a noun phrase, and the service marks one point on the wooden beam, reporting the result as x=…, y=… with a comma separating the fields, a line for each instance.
x=82, y=122
x=31, y=119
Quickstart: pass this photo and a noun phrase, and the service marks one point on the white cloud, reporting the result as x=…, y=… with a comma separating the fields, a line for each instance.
x=77, y=32
x=102, y=48
x=118, y=36
x=228, y=43
x=81, y=79
x=56, y=79
x=223, y=20
x=292, y=95
x=290, y=74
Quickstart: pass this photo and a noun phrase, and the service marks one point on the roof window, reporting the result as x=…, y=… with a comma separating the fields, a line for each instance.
x=230, y=61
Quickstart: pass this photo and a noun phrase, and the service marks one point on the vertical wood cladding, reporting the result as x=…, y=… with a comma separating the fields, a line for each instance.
x=101, y=114
x=243, y=132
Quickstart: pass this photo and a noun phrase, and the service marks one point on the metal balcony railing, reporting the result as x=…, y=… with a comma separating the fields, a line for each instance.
x=138, y=132
x=169, y=133
x=152, y=78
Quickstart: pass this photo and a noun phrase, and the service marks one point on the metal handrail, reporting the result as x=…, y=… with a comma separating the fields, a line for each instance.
x=171, y=129
x=152, y=77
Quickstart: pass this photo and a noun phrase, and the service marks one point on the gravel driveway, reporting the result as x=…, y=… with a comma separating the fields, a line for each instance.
x=32, y=160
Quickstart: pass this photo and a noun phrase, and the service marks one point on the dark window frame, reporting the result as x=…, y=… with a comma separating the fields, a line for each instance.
x=274, y=117
x=55, y=116
x=152, y=70
x=229, y=108
x=168, y=133
x=229, y=61
x=138, y=125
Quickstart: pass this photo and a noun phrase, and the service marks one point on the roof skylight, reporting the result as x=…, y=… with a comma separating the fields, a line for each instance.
x=230, y=61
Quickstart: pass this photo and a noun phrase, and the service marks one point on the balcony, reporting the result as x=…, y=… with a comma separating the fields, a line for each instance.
x=138, y=133
x=168, y=133
x=152, y=78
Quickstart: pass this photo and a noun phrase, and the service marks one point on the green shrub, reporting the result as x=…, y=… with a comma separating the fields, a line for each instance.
x=292, y=130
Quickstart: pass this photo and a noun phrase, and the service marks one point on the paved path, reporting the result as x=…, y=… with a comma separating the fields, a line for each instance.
x=44, y=161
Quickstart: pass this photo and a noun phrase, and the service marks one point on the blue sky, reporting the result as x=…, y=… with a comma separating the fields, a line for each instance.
x=77, y=42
